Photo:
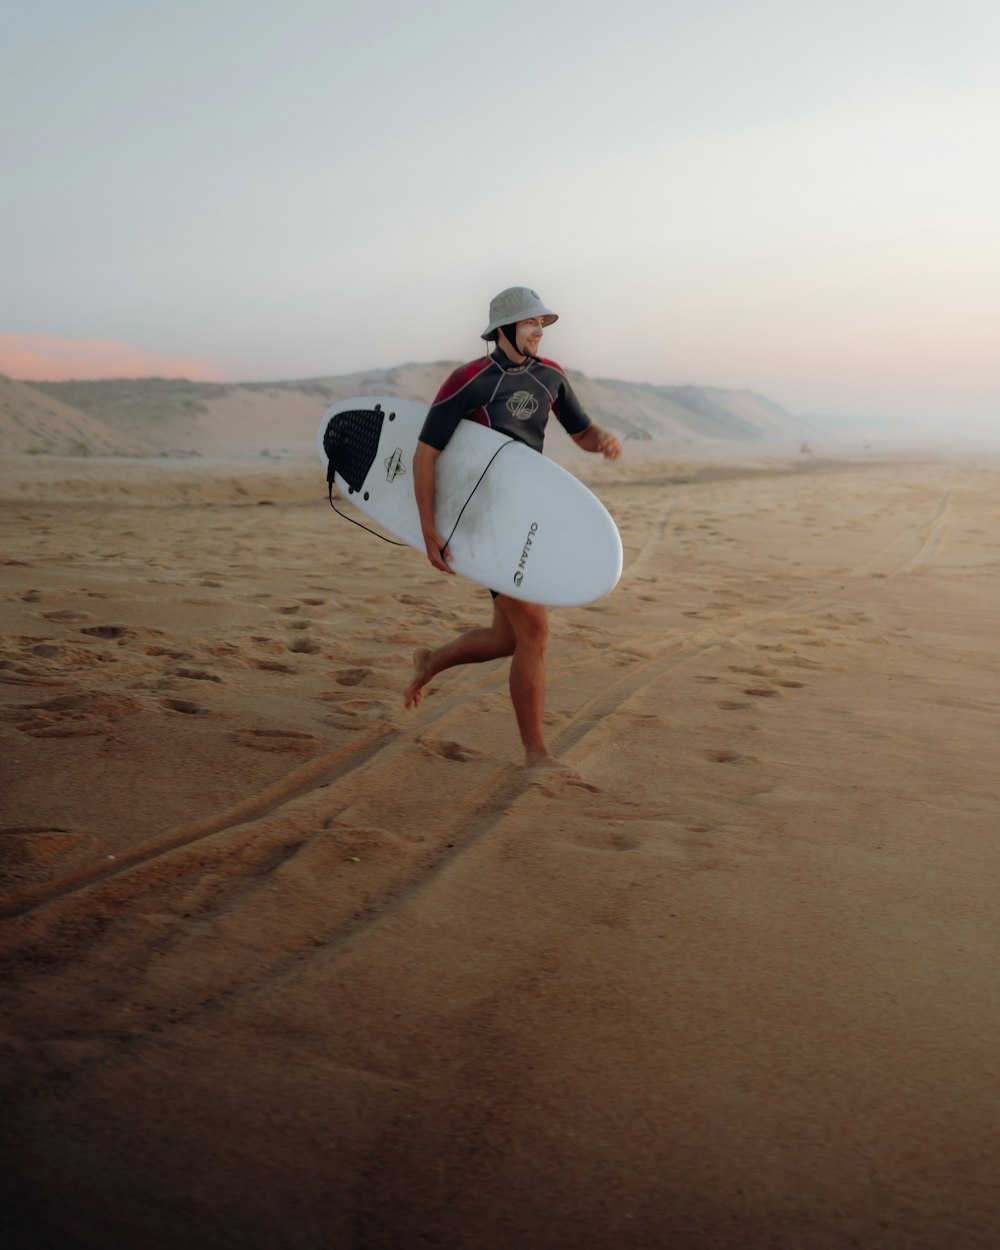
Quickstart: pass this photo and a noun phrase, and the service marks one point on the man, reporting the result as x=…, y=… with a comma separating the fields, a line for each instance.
x=512, y=389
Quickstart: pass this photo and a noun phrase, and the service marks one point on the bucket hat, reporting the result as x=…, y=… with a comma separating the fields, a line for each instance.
x=516, y=303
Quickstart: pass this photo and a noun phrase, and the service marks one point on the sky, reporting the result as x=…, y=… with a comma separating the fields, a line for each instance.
x=795, y=198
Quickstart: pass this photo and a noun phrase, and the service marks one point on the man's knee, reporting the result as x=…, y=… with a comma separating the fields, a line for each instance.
x=532, y=629
x=504, y=638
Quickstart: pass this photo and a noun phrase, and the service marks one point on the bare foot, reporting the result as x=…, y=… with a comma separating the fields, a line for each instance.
x=549, y=764
x=414, y=692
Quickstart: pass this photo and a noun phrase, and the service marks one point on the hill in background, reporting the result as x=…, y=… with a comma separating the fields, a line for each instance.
x=169, y=416
x=35, y=423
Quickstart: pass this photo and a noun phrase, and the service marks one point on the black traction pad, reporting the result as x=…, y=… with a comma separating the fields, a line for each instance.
x=350, y=443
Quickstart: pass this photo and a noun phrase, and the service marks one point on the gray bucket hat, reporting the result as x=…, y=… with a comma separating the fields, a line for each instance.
x=517, y=303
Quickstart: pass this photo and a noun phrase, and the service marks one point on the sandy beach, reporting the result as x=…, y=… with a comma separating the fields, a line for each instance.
x=286, y=966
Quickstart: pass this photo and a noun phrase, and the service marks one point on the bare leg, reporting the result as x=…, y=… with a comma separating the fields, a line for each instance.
x=529, y=623
x=474, y=647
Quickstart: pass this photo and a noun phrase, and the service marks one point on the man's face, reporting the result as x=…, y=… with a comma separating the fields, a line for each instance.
x=529, y=335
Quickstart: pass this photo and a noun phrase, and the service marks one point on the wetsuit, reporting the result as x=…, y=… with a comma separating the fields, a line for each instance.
x=514, y=399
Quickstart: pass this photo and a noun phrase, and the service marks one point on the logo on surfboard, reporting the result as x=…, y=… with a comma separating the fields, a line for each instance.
x=394, y=466
x=519, y=575
x=522, y=405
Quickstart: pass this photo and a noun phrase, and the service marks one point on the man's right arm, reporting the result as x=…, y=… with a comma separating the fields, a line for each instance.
x=457, y=396
x=424, y=464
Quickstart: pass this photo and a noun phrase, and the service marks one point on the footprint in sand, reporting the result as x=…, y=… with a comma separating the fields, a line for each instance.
x=305, y=646
x=758, y=670
x=800, y=661
x=111, y=632
x=73, y=715
x=555, y=784
x=30, y=853
x=450, y=750
x=67, y=616
x=36, y=663
x=264, y=643
x=272, y=666
x=220, y=649
x=351, y=676
x=605, y=840
x=196, y=674
x=277, y=740
x=184, y=706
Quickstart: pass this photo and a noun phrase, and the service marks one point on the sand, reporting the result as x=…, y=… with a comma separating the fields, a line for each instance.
x=287, y=966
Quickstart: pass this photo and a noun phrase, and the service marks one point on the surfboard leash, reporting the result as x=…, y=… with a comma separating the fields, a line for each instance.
x=392, y=542
x=475, y=488
x=329, y=445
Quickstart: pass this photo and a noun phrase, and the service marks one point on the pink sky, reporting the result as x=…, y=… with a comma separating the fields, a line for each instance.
x=42, y=358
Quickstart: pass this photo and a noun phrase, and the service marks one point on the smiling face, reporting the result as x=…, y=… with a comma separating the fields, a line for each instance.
x=529, y=335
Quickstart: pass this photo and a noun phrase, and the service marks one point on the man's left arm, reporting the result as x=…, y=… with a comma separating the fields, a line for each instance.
x=585, y=433
x=593, y=438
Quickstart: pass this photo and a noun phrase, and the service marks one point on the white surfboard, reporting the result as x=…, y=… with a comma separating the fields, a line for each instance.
x=514, y=520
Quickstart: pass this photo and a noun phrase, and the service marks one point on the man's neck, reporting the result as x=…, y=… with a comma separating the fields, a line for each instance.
x=514, y=357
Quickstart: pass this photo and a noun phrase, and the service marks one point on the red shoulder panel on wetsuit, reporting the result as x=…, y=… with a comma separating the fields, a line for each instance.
x=461, y=377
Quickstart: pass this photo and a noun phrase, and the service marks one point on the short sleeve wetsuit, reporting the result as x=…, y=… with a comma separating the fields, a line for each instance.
x=514, y=399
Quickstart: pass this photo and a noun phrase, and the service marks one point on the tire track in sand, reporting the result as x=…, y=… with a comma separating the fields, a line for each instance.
x=305, y=931
x=332, y=767
x=322, y=786
x=331, y=764
x=894, y=560
x=935, y=528
x=652, y=543
x=342, y=764
x=326, y=781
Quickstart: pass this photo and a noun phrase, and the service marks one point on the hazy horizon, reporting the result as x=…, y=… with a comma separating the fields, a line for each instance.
x=764, y=196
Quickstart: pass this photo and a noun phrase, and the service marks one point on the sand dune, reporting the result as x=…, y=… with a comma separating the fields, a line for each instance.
x=237, y=419
x=36, y=423
x=287, y=966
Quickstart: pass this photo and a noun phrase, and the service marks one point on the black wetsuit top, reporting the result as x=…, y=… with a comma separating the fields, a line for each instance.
x=514, y=399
